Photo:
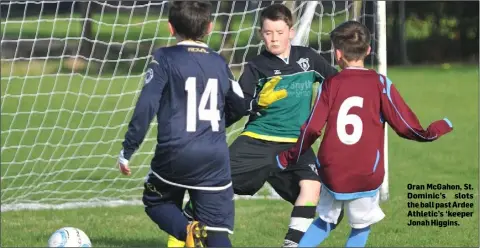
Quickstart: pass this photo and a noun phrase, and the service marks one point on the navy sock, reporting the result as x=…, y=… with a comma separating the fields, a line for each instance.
x=170, y=219
x=218, y=239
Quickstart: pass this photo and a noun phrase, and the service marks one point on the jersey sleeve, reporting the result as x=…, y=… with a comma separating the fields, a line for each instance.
x=248, y=82
x=146, y=107
x=404, y=121
x=310, y=130
x=322, y=66
x=235, y=107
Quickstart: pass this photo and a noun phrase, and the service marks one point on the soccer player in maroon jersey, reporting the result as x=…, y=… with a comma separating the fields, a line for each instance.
x=355, y=103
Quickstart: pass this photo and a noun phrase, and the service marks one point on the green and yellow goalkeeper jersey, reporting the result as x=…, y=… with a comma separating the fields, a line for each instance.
x=282, y=120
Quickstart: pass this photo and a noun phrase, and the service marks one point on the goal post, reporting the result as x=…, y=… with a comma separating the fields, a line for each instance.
x=304, y=24
x=62, y=124
x=382, y=69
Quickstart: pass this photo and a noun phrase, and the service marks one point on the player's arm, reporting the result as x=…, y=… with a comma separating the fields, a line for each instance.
x=404, y=121
x=254, y=103
x=322, y=66
x=146, y=107
x=235, y=107
x=310, y=131
x=248, y=82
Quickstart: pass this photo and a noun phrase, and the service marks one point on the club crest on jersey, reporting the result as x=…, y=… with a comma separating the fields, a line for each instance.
x=303, y=63
x=148, y=76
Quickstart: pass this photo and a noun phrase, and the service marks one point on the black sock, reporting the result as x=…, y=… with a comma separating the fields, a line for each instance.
x=301, y=218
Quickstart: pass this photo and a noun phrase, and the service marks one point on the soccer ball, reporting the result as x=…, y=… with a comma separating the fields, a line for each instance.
x=69, y=237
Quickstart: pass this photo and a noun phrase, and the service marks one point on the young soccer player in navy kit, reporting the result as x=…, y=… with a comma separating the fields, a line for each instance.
x=191, y=91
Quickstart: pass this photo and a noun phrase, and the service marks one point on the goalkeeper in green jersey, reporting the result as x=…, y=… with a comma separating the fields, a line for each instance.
x=278, y=87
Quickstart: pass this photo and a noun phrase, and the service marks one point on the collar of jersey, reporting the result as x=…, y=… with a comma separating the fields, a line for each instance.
x=356, y=68
x=192, y=43
x=287, y=59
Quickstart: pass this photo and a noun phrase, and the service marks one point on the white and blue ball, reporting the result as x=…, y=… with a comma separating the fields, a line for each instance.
x=69, y=237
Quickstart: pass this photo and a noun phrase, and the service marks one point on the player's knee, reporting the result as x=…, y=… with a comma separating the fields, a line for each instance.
x=310, y=188
x=309, y=193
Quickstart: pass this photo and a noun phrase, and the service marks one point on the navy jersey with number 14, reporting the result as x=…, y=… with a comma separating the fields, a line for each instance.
x=194, y=96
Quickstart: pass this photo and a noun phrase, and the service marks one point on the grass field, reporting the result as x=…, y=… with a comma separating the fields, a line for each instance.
x=60, y=136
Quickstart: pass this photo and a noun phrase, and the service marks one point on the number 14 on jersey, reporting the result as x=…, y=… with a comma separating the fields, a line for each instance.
x=201, y=112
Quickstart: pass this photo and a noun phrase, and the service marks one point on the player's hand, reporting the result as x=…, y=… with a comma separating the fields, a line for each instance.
x=441, y=127
x=281, y=163
x=268, y=96
x=123, y=165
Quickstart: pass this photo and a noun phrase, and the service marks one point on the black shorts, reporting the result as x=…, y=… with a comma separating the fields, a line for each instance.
x=253, y=162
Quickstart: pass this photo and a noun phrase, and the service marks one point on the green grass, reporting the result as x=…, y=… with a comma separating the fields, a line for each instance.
x=84, y=126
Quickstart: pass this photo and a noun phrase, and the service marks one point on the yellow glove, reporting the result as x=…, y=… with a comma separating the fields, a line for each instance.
x=268, y=96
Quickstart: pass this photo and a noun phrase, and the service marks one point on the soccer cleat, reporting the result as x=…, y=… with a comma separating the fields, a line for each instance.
x=173, y=242
x=196, y=235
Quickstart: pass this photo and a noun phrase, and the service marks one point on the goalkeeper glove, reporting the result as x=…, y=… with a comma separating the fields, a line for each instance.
x=268, y=96
x=123, y=164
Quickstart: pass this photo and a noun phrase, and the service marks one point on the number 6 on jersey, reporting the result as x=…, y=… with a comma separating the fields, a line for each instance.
x=211, y=114
x=343, y=119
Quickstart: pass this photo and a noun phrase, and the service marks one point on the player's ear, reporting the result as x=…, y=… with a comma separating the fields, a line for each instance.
x=338, y=54
x=210, y=28
x=369, y=50
x=292, y=33
x=171, y=29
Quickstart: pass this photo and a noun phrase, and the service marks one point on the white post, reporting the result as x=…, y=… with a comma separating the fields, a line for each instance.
x=357, y=10
x=303, y=30
x=382, y=69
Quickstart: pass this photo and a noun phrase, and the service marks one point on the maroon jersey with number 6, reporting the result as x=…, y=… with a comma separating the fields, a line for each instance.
x=354, y=104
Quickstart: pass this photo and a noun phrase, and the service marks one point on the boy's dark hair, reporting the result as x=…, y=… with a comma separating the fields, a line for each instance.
x=190, y=19
x=276, y=12
x=352, y=38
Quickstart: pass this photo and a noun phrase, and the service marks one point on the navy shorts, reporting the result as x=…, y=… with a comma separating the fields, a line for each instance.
x=213, y=208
